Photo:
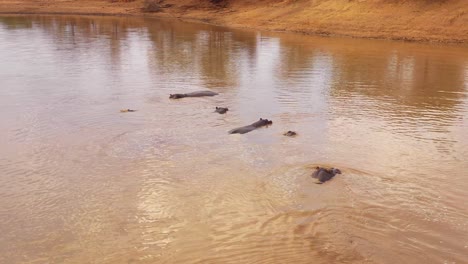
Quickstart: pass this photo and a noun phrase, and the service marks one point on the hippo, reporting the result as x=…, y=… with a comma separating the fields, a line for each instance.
x=221, y=110
x=193, y=94
x=324, y=175
x=290, y=133
x=247, y=129
x=127, y=110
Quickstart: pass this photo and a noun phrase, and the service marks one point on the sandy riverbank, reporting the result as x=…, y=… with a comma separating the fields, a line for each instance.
x=416, y=20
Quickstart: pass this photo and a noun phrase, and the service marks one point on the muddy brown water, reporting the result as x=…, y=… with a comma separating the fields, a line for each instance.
x=81, y=182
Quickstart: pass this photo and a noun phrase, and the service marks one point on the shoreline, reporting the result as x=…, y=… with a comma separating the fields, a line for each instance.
x=231, y=17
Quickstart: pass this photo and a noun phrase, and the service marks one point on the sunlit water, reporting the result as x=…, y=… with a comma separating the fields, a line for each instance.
x=81, y=182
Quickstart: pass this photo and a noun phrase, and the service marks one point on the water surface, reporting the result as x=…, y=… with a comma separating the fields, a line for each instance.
x=81, y=182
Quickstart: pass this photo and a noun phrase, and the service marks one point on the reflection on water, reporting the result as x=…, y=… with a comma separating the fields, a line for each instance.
x=83, y=183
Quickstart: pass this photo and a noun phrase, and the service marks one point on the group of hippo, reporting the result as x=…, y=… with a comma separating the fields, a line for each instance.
x=222, y=110
x=320, y=173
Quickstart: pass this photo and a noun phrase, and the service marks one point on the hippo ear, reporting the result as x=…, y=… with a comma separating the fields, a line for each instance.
x=216, y=107
x=317, y=167
x=261, y=118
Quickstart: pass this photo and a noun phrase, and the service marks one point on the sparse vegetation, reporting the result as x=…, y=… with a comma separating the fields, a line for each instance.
x=152, y=6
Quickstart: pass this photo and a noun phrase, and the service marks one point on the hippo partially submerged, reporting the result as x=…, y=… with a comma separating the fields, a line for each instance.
x=221, y=110
x=323, y=174
x=193, y=94
x=127, y=110
x=247, y=129
x=290, y=134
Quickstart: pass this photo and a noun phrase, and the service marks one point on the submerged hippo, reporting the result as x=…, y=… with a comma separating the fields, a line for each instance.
x=127, y=110
x=193, y=94
x=324, y=175
x=247, y=129
x=290, y=134
x=221, y=110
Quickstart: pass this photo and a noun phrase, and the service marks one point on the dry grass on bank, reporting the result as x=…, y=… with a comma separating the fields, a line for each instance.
x=420, y=20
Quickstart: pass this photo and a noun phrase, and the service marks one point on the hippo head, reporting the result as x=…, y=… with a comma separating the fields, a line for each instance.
x=335, y=171
x=221, y=110
x=266, y=121
x=176, y=96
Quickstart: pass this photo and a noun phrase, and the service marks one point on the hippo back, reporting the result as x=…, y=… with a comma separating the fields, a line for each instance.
x=324, y=175
x=242, y=130
x=201, y=93
x=246, y=129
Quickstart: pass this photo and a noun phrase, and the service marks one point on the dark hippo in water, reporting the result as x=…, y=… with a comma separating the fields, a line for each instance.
x=247, y=129
x=324, y=175
x=221, y=110
x=193, y=94
x=290, y=134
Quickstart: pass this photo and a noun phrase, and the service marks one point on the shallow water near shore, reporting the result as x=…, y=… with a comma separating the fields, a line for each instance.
x=81, y=182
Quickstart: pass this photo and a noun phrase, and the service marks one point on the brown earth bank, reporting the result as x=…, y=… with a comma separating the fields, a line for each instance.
x=411, y=20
